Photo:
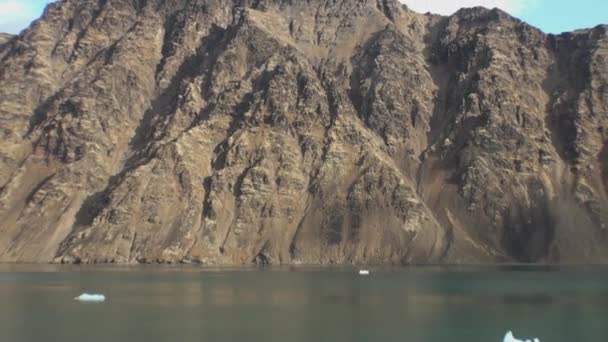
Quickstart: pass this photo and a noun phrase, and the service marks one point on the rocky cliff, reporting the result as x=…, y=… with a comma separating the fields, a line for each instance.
x=282, y=131
x=4, y=37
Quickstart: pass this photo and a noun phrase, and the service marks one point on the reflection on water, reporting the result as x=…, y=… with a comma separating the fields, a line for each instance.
x=411, y=304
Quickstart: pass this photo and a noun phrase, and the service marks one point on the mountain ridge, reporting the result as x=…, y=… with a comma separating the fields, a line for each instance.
x=311, y=132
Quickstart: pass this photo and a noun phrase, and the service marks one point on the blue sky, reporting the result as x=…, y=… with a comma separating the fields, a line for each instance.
x=552, y=16
x=15, y=15
x=557, y=16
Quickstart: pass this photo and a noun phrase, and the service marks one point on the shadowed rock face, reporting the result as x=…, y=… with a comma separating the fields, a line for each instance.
x=277, y=131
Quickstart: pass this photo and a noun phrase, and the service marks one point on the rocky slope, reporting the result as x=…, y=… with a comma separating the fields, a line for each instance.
x=281, y=131
x=4, y=37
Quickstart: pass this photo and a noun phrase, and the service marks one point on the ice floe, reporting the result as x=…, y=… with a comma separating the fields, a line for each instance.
x=93, y=298
x=510, y=338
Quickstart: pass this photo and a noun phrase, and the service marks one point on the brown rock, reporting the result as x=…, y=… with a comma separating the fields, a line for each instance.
x=309, y=132
x=4, y=37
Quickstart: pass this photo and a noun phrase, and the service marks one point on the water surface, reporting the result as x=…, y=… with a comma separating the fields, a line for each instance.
x=392, y=304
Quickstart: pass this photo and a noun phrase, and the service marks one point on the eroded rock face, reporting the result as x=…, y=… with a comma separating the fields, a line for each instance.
x=4, y=37
x=300, y=132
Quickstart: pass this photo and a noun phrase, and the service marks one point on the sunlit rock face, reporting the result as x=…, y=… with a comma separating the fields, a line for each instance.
x=4, y=37
x=300, y=132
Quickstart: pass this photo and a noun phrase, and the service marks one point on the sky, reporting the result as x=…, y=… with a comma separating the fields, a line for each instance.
x=552, y=16
x=15, y=15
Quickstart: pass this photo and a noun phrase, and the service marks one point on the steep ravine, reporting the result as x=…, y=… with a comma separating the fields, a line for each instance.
x=300, y=132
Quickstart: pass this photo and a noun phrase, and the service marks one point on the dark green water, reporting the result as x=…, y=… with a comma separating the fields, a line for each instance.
x=410, y=304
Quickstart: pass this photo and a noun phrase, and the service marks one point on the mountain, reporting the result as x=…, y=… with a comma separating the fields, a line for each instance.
x=4, y=37
x=300, y=132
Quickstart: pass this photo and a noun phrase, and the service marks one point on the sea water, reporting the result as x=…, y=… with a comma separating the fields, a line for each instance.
x=416, y=304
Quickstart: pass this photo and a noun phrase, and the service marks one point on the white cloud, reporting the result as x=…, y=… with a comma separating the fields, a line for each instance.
x=446, y=7
x=10, y=7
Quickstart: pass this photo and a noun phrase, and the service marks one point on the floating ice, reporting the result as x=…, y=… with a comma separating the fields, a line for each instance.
x=93, y=298
x=363, y=272
x=509, y=338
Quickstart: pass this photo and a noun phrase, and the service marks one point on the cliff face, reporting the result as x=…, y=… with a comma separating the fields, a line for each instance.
x=278, y=131
x=4, y=37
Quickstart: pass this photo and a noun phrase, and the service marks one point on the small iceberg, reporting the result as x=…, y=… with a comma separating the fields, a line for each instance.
x=91, y=298
x=510, y=338
x=363, y=272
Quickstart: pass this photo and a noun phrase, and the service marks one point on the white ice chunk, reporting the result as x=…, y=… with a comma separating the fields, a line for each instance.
x=93, y=298
x=510, y=338
x=363, y=272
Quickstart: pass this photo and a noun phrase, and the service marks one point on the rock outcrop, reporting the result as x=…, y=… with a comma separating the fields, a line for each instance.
x=316, y=132
x=4, y=37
